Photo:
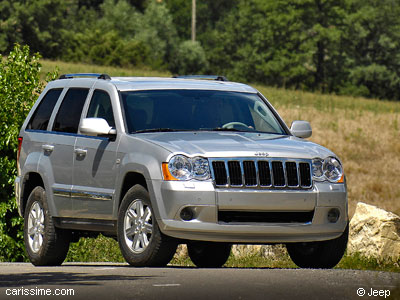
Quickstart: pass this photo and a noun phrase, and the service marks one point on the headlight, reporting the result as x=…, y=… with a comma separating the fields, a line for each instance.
x=181, y=167
x=327, y=169
x=333, y=170
x=201, y=169
x=317, y=167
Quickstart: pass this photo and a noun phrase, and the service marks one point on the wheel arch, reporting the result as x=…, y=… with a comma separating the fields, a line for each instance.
x=130, y=179
x=31, y=180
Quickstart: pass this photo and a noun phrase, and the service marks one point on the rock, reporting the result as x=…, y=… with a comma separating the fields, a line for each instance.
x=374, y=232
x=267, y=251
x=274, y=251
x=240, y=251
x=181, y=251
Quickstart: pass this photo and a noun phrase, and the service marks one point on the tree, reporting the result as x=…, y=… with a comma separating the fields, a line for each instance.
x=158, y=33
x=10, y=32
x=209, y=12
x=372, y=45
x=121, y=17
x=289, y=43
x=321, y=37
x=189, y=59
x=259, y=41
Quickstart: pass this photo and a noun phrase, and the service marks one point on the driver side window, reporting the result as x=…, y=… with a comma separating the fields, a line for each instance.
x=264, y=120
x=100, y=107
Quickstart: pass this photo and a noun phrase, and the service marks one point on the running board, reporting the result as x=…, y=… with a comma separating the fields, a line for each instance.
x=109, y=226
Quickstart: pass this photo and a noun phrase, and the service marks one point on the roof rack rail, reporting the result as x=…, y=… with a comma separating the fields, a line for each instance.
x=97, y=75
x=207, y=77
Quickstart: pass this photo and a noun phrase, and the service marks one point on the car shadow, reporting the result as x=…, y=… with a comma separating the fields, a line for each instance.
x=62, y=278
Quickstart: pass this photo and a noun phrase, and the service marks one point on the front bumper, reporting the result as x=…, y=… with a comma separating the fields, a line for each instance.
x=206, y=202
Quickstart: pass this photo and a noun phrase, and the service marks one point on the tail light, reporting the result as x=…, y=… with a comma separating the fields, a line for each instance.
x=19, y=150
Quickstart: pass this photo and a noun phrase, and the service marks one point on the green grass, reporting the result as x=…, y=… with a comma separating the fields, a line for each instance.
x=68, y=68
x=326, y=102
x=358, y=262
x=100, y=249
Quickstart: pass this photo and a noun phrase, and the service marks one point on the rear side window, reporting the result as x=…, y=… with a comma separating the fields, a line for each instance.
x=41, y=116
x=69, y=114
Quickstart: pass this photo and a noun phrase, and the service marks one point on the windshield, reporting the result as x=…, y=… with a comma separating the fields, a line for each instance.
x=193, y=110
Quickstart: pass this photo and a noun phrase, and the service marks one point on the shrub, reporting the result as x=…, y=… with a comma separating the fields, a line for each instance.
x=19, y=87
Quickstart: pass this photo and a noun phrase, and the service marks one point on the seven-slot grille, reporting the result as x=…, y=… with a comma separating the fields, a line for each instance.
x=261, y=173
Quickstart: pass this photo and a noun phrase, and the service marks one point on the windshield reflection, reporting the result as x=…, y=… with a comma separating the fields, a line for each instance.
x=197, y=110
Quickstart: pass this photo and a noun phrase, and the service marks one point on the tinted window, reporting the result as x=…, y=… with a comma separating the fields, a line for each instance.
x=100, y=107
x=40, y=118
x=198, y=110
x=70, y=111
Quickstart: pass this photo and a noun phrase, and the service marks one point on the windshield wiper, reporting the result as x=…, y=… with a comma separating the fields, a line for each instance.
x=201, y=129
x=221, y=129
x=158, y=130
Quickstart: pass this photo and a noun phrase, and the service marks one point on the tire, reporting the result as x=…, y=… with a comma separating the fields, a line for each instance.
x=319, y=255
x=209, y=254
x=141, y=242
x=45, y=244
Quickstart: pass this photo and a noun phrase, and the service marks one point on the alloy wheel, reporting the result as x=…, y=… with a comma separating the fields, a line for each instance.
x=36, y=227
x=138, y=226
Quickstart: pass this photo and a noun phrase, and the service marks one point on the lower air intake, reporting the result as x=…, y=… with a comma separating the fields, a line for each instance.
x=265, y=217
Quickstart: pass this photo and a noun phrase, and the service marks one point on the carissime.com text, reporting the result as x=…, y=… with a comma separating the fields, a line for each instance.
x=39, y=292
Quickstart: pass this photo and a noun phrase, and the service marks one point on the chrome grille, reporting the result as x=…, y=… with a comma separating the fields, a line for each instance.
x=235, y=173
x=271, y=173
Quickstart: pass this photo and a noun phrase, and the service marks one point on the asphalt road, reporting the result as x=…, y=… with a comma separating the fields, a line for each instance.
x=119, y=281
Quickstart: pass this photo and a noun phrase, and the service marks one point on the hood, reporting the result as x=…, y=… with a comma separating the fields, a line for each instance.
x=236, y=144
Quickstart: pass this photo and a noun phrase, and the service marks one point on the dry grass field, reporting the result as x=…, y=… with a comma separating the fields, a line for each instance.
x=364, y=133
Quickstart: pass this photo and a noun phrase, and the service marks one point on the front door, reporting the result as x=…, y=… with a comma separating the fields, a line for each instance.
x=95, y=166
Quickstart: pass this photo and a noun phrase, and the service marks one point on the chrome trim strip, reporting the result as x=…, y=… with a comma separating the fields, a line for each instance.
x=82, y=194
x=91, y=195
x=66, y=133
x=62, y=193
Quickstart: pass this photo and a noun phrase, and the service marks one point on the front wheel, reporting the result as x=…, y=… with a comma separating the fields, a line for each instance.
x=319, y=255
x=209, y=254
x=141, y=242
x=45, y=244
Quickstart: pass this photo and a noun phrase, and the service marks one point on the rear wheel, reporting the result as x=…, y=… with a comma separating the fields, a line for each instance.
x=45, y=244
x=141, y=242
x=209, y=254
x=319, y=255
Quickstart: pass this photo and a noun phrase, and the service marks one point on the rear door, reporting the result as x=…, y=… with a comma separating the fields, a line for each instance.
x=59, y=148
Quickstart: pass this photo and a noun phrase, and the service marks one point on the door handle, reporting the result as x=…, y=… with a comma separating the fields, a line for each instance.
x=80, y=152
x=48, y=148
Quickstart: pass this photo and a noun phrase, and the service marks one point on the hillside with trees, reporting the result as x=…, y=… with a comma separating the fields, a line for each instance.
x=347, y=47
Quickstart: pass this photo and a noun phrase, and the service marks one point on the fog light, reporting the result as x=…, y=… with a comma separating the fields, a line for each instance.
x=187, y=214
x=333, y=215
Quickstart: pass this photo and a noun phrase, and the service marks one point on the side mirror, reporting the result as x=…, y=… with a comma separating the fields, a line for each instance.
x=301, y=129
x=96, y=127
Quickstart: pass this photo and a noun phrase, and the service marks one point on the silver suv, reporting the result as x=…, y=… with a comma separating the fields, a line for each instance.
x=157, y=162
